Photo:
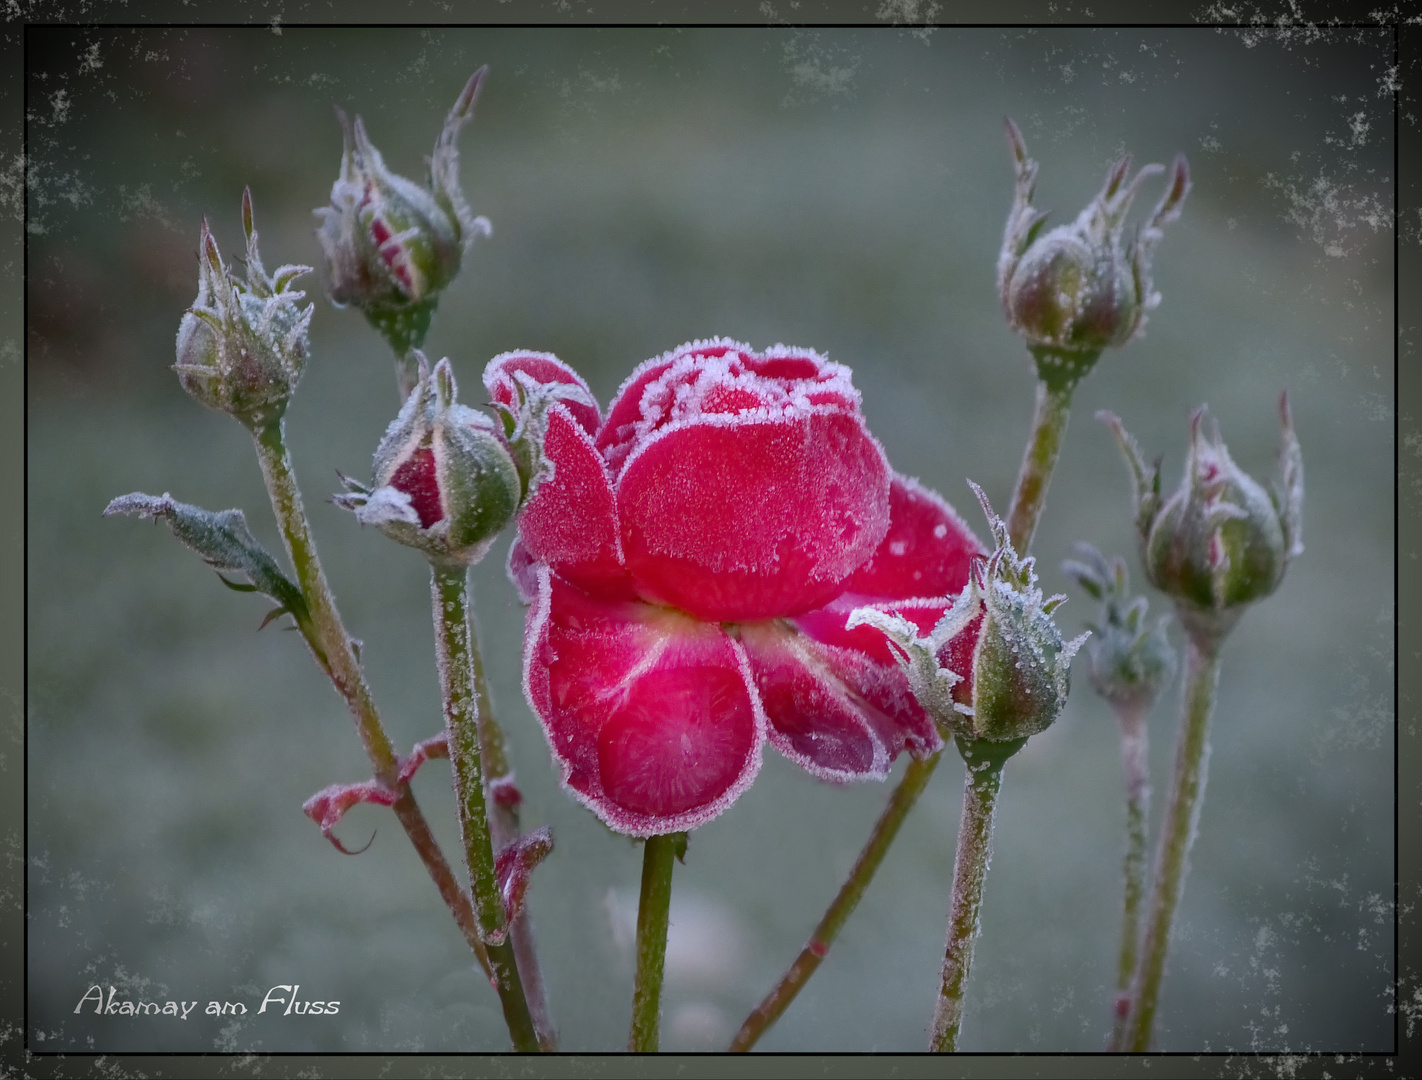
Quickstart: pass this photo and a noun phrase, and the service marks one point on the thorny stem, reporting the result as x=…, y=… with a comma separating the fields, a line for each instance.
x=980, y=787
x=335, y=653
x=1038, y=460
x=653, y=916
x=1135, y=766
x=504, y=830
x=448, y=593
x=765, y=1014
x=1182, y=815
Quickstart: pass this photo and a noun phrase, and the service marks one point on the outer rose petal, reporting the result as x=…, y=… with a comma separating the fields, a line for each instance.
x=571, y=521
x=733, y=518
x=815, y=720
x=926, y=551
x=651, y=715
x=543, y=368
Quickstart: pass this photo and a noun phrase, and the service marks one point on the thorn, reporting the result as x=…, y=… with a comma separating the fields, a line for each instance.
x=275, y=613
x=233, y=585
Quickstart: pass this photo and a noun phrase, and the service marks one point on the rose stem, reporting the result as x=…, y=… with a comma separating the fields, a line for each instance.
x=504, y=830
x=335, y=653
x=653, y=911
x=1049, y=423
x=817, y=948
x=456, y=671
x=1182, y=815
x=981, y=783
x=1135, y=766
x=1039, y=459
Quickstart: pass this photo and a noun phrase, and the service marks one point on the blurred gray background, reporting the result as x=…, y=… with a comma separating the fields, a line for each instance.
x=838, y=189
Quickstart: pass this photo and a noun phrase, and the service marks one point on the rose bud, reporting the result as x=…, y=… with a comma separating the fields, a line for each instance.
x=444, y=481
x=1221, y=541
x=391, y=245
x=691, y=561
x=242, y=345
x=1079, y=288
x=1132, y=661
x=1018, y=670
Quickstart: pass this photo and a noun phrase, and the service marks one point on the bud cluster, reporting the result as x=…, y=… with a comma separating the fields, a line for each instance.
x=1080, y=288
x=242, y=345
x=1221, y=541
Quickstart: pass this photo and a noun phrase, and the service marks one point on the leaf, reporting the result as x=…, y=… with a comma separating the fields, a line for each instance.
x=224, y=542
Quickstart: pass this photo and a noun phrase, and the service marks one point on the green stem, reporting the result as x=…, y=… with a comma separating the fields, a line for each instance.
x=461, y=719
x=765, y=1014
x=1049, y=424
x=1182, y=815
x=653, y=917
x=335, y=652
x=1135, y=766
x=504, y=830
x=980, y=787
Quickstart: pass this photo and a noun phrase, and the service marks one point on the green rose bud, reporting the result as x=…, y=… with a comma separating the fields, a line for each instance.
x=242, y=346
x=1221, y=541
x=1080, y=288
x=391, y=245
x=1021, y=666
x=444, y=481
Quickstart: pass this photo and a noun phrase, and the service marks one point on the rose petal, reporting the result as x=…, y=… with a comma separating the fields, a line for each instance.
x=571, y=521
x=651, y=715
x=737, y=519
x=926, y=551
x=815, y=719
x=544, y=368
x=618, y=434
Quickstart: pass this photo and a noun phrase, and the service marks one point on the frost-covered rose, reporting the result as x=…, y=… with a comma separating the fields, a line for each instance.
x=691, y=561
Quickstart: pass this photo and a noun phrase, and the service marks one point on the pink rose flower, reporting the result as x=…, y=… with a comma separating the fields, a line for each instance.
x=691, y=561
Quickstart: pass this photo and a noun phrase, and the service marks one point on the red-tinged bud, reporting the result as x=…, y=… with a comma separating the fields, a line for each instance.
x=242, y=346
x=391, y=245
x=1221, y=541
x=444, y=480
x=1077, y=289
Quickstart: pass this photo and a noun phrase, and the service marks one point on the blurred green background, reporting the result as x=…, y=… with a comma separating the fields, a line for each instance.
x=838, y=189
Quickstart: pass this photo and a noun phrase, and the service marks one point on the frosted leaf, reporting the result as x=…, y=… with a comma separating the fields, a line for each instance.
x=224, y=542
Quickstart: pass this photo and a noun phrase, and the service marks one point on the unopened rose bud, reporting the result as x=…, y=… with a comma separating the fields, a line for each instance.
x=242, y=345
x=1132, y=661
x=1020, y=669
x=1221, y=541
x=391, y=245
x=444, y=481
x=1077, y=289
